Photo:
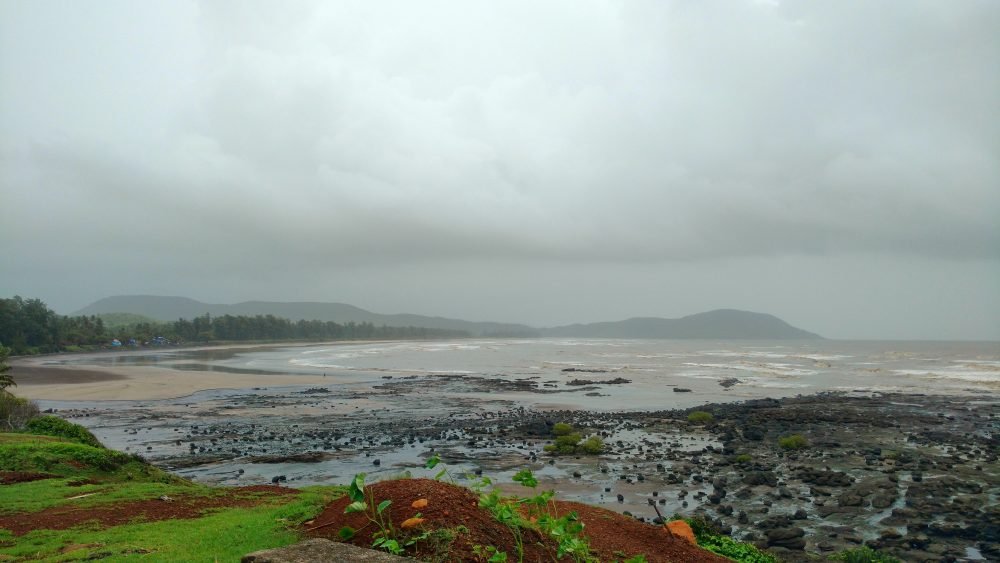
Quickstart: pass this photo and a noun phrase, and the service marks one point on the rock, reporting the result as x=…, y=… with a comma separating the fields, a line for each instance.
x=849, y=499
x=755, y=478
x=313, y=550
x=883, y=500
x=800, y=514
x=681, y=390
x=788, y=538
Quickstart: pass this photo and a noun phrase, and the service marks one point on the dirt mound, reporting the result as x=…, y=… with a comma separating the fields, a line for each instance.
x=455, y=510
x=115, y=514
x=11, y=477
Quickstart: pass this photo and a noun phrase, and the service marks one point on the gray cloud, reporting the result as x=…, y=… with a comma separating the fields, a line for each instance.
x=229, y=140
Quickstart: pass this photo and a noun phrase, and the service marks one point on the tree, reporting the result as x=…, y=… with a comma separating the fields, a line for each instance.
x=6, y=379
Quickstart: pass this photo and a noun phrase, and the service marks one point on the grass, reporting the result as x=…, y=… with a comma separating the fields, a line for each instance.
x=224, y=534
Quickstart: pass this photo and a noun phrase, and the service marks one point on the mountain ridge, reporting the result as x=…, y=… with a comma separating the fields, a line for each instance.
x=715, y=324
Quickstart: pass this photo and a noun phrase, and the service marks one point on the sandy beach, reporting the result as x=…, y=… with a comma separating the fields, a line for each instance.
x=39, y=378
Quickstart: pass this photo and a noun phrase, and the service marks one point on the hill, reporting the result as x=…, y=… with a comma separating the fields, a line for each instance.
x=721, y=324
x=171, y=308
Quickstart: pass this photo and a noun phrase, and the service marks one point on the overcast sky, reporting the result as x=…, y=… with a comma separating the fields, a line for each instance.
x=836, y=164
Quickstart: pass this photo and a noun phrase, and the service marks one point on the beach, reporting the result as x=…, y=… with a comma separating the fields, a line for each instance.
x=81, y=377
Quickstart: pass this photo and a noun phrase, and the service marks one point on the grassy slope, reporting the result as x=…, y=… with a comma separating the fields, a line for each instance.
x=223, y=535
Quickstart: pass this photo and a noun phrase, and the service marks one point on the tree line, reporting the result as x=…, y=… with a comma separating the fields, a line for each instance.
x=28, y=326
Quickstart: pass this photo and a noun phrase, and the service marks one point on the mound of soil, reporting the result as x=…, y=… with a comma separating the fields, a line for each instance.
x=115, y=514
x=11, y=477
x=612, y=536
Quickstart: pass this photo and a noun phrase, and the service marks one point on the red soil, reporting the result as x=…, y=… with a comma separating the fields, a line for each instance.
x=612, y=536
x=115, y=514
x=11, y=477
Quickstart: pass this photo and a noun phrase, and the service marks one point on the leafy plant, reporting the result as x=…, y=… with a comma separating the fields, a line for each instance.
x=561, y=429
x=709, y=538
x=793, y=442
x=569, y=443
x=385, y=538
x=700, y=417
x=863, y=554
x=743, y=458
x=490, y=552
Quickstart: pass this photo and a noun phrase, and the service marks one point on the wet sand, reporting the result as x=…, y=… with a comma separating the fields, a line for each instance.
x=73, y=383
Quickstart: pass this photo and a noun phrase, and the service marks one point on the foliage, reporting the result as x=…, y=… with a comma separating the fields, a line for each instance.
x=55, y=426
x=55, y=457
x=568, y=442
x=15, y=412
x=700, y=417
x=561, y=429
x=793, y=442
x=386, y=537
x=736, y=550
x=592, y=445
x=711, y=538
x=863, y=554
x=6, y=379
x=30, y=327
x=743, y=458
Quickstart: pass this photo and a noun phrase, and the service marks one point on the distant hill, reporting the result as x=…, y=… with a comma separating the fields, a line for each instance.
x=721, y=324
x=173, y=308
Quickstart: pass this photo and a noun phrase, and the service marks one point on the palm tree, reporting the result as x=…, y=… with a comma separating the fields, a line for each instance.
x=6, y=380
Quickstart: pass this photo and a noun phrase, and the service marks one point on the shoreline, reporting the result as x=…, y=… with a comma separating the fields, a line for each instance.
x=38, y=377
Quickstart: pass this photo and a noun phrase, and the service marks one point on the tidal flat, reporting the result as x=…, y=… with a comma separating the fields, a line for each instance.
x=914, y=474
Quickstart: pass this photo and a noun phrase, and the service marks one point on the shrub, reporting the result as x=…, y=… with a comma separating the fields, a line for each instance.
x=570, y=444
x=50, y=456
x=592, y=445
x=55, y=426
x=15, y=412
x=561, y=429
x=700, y=417
x=793, y=442
x=743, y=458
x=863, y=554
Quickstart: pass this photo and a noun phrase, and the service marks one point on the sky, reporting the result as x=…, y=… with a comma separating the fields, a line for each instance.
x=836, y=164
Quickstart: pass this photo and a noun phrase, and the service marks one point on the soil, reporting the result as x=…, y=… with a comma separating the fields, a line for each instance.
x=612, y=536
x=11, y=477
x=115, y=514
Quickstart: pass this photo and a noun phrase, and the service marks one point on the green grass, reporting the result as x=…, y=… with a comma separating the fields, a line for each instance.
x=224, y=535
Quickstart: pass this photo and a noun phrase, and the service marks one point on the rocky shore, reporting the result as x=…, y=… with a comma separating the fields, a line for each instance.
x=912, y=475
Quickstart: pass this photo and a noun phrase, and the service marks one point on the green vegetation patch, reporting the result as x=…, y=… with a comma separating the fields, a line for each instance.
x=568, y=441
x=55, y=426
x=863, y=554
x=793, y=442
x=700, y=417
x=710, y=539
x=226, y=535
